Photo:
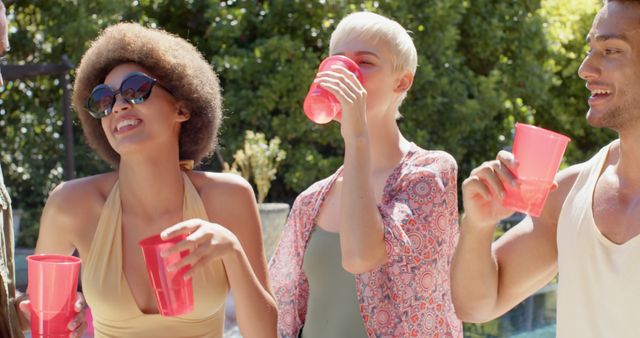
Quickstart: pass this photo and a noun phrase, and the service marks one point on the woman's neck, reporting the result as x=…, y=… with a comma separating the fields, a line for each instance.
x=150, y=186
x=387, y=145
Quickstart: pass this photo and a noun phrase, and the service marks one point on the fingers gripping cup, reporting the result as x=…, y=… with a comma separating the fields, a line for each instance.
x=174, y=294
x=539, y=153
x=320, y=105
x=53, y=283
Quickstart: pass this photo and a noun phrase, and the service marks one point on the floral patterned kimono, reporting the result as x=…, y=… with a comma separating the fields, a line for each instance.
x=410, y=294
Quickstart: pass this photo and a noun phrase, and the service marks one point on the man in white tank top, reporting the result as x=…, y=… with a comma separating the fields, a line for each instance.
x=589, y=230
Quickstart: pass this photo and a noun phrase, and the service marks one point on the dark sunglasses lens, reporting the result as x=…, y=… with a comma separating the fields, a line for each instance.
x=100, y=102
x=136, y=88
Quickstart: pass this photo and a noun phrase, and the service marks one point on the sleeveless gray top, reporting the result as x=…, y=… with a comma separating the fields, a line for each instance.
x=332, y=308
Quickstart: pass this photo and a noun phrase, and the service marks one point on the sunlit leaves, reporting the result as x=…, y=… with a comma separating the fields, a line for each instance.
x=483, y=65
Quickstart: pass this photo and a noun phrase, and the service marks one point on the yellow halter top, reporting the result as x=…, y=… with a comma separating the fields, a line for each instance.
x=115, y=312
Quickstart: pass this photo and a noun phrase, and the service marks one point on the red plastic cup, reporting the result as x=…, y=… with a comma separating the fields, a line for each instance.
x=174, y=294
x=320, y=105
x=53, y=283
x=539, y=153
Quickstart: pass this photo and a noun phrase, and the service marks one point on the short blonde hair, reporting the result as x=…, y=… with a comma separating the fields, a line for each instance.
x=371, y=26
x=375, y=27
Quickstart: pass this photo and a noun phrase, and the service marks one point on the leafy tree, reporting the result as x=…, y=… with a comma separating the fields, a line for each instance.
x=483, y=65
x=31, y=116
x=567, y=25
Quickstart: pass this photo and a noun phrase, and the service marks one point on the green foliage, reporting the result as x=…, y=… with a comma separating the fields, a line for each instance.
x=258, y=160
x=483, y=65
x=568, y=22
x=31, y=112
x=491, y=329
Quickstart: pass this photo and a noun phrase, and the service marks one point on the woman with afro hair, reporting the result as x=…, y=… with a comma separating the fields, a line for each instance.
x=150, y=105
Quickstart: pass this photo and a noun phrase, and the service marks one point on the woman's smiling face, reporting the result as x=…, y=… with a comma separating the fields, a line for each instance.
x=154, y=121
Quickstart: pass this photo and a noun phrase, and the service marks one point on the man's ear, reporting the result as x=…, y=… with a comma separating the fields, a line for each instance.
x=404, y=82
x=184, y=113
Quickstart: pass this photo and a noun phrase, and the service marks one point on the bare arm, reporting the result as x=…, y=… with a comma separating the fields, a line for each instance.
x=247, y=269
x=68, y=213
x=234, y=235
x=361, y=228
x=70, y=210
x=487, y=280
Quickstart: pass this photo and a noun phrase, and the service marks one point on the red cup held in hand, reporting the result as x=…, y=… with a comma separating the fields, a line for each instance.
x=539, y=153
x=320, y=105
x=53, y=284
x=174, y=294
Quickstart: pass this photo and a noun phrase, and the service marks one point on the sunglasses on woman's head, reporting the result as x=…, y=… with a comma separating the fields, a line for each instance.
x=135, y=89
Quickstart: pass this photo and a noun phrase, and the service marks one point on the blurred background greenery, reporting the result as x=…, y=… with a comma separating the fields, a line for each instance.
x=483, y=65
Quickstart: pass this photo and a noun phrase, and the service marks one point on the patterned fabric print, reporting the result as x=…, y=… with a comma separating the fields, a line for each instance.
x=409, y=296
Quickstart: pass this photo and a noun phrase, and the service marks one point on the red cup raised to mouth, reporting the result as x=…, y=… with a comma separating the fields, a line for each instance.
x=53, y=284
x=320, y=105
x=174, y=294
x=539, y=153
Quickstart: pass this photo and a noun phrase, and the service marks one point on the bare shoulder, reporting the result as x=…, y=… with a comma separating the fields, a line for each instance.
x=73, y=202
x=225, y=196
x=565, y=179
x=220, y=185
x=84, y=191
